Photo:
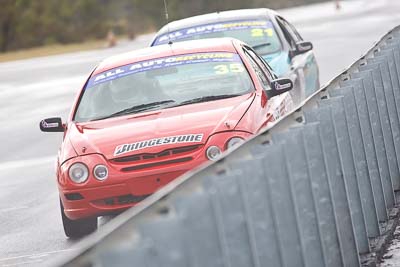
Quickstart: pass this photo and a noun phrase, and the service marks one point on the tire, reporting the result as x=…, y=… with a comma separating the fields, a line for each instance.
x=77, y=228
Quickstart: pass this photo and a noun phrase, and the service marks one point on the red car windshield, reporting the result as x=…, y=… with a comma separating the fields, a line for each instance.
x=163, y=83
x=260, y=34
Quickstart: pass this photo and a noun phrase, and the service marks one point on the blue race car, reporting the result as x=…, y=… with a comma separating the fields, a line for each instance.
x=268, y=33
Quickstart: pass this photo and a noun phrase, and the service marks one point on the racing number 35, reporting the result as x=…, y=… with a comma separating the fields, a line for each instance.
x=224, y=69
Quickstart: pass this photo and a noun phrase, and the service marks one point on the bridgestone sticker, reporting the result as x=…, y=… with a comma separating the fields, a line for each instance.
x=159, y=63
x=212, y=28
x=188, y=138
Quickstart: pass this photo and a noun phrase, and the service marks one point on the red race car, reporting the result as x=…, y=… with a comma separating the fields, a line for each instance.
x=146, y=117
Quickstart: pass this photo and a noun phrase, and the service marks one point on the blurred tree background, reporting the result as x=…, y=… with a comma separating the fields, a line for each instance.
x=30, y=23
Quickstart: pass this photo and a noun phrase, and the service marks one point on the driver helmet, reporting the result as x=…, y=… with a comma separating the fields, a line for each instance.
x=125, y=89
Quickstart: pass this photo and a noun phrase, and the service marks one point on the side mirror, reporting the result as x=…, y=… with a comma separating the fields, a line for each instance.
x=51, y=125
x=302, y=47
x=280, y=86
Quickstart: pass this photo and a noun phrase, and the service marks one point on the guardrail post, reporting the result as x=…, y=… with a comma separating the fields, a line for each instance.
x=394, y=138
x=282, y=203
x=303, y=198
x=385, y=121
x=349, y=171
x=394, y=44
x=389, y=52
x=322, y=195
x=370, y=186
x=203, y=239
x=259, y=207
x=366, y=102
x=129, y=255
x=372, y=139
x=337, y=185
x=158, y=234
x=232, y=223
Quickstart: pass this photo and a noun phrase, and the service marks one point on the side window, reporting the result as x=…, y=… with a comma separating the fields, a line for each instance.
x=299, y=38
x=261, y=63
x=291, y=34
x=294, y=31
x=261, y=75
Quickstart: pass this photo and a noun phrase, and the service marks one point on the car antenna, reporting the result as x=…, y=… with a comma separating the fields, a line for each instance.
x=167, y=18
x=218, y=11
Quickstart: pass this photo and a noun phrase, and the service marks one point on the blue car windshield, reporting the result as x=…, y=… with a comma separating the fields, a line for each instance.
x=163, y=83
x=260, y=34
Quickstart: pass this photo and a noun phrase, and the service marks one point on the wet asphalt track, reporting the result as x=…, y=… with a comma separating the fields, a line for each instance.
x=30, y=224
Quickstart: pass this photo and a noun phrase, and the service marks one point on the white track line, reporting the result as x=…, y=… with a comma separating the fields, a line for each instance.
x=13, y=209
x=26, y=162
x=37, y=255
x=22, y=263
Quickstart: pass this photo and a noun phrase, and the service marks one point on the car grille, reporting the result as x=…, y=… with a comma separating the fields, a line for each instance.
x=155, y=164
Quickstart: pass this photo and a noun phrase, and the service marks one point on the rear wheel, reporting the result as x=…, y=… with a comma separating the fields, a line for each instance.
x=77, y=228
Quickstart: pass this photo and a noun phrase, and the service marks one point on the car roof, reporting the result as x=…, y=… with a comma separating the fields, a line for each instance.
x=230, y=15
x=178, y=48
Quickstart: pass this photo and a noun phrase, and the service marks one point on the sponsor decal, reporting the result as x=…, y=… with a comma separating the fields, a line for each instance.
x=161, y=63
x=282, y=86
x=304, y=47
x=49, y=124
x=214, y=28
x=280, y=106
x=187, y=138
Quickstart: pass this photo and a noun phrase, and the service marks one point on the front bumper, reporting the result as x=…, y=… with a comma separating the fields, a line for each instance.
x=130, y=180
x=114, y=198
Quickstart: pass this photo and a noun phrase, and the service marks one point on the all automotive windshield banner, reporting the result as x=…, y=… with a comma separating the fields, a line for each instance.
x=212, y=28
x=161, y=63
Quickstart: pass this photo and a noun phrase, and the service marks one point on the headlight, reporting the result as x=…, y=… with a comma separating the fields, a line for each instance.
x=234, y=142
x=100, y=172
x=78, y=173
x=213, y=153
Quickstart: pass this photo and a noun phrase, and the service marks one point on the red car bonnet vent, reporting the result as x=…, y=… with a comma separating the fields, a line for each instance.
x=183, y=149
x=155, y=164
x=128, y=158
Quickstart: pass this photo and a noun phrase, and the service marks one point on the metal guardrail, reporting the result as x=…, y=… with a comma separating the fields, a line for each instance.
x=310, y=191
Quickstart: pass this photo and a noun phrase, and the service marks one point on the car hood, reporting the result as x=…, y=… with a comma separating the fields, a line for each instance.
x=156, y=131
x=279, y=62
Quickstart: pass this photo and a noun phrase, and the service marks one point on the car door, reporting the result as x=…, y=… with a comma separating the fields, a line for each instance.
x=278, y=105
x=303, y=65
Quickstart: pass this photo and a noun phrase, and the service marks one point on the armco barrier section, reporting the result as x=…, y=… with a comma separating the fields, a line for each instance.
x=313, y=190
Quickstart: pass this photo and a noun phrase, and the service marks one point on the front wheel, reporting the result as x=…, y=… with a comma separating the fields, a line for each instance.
x=77, y=228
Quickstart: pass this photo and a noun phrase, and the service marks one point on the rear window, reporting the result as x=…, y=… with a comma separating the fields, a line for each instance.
x=260, y=34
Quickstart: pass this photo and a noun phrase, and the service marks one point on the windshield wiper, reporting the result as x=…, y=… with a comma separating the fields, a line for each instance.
x=136, y=109
x=204, y=99
x=261, y=45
